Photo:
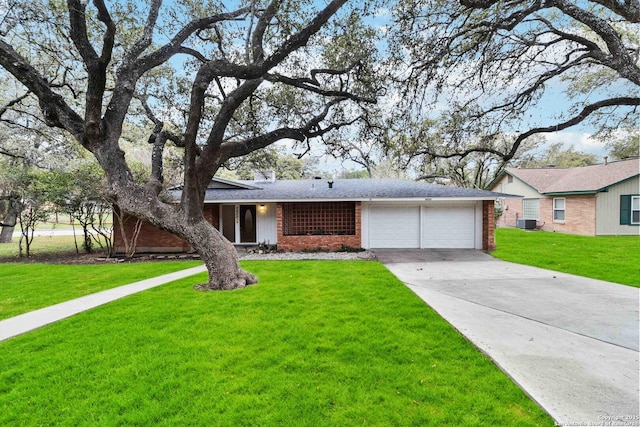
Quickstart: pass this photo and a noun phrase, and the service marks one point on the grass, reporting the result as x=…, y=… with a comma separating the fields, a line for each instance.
x=316, y=343
x=26, y=287
x=611, y=258
x=41, y=245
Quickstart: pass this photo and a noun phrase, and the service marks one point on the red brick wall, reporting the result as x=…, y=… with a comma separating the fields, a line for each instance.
x=580, y=215
x=511, y=211
x=152, y=239
x=328, y=243
x=488, y=226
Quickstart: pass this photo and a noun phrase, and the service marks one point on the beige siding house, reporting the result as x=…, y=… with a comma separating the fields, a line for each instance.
x=593, y=200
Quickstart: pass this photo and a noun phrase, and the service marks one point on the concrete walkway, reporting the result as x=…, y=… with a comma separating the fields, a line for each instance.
x=35, y=319
x=570, y=342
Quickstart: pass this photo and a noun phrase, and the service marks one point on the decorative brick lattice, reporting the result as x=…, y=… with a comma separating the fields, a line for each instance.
x=319, y=219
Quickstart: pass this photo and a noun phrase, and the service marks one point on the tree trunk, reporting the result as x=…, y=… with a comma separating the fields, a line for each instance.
x=220, y=257
x=185, y=220
x=6, y=235
x=10, y=220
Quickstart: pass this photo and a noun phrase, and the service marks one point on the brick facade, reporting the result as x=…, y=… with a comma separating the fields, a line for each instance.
x=323, y=242
x=511, y=211
x=488, y=226
x=580, y=214
x=153, y=239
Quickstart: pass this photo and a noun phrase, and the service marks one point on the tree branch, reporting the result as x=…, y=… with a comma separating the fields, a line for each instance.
x=629, y=9
x=56, y=112
x=586, y=112
x=310, y=86
x=13, y=102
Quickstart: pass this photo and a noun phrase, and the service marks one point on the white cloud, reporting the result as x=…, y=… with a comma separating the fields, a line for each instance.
x=582, y=141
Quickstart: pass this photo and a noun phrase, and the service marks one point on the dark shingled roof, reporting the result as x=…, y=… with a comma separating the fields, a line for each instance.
x=343, y=189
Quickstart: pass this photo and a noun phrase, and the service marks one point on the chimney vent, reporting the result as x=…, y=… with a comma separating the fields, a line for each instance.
x=606, y=160
x=330, y=184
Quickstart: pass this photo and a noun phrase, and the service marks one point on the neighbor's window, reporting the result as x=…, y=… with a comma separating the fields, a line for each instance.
x=635, y=210
x=301, y=219
x=558, y=209
x=531, y=208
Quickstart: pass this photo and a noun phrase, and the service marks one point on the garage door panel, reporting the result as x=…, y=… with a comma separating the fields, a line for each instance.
x=452, y=228
x=394, y=227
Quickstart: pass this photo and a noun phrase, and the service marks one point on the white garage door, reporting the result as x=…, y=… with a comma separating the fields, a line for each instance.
x=394, y=227
x=452, y=227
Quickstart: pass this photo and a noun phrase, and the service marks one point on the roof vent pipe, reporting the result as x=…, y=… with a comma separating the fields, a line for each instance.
x=330, y=184
x=606, y=160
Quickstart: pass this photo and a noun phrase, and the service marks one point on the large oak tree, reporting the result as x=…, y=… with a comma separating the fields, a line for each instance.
x=218, y=82
x=518, y=67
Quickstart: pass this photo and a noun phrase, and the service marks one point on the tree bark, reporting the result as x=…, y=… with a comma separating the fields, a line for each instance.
x=6, y=235
x=9, y=221
x=218, y=254
x=220, y=257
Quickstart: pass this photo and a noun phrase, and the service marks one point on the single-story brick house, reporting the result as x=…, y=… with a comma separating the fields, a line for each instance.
x=323, y=214
x=592, y=200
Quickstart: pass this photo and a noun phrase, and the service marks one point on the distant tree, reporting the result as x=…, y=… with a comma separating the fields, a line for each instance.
x=284, y=165
x=81, y=193
x=10, y=205
x=34, y=207
x=9, y=210
x=422, y=152
x=353, y=174
x=386, y=168
x=624, y=145
x=557, y=155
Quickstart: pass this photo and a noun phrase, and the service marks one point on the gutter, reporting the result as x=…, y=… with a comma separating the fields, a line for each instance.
x=372, y=199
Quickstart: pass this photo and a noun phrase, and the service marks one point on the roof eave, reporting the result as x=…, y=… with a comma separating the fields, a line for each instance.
x=495, y=180
x=354, y=199
x=569, y=193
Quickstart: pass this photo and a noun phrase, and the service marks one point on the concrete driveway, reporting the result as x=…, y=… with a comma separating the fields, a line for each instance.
x=570, y=342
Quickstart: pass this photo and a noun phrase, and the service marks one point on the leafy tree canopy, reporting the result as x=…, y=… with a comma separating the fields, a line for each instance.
x=218, y=81
x=487, y=66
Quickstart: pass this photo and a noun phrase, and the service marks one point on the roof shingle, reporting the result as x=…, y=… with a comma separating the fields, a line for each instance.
x=344, y=189
x=585, y=179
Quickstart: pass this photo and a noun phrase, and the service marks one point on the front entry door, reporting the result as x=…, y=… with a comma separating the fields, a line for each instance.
x=228, y=222
x=247, y=223
x=238, y=223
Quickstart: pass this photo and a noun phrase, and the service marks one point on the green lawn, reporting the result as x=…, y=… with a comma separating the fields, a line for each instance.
x=26, y=287
x=41, y=245
x=315, y=343
x=611, y=258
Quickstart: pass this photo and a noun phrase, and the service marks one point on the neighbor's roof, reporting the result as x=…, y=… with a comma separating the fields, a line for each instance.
x=343, y=189
x=584, y=179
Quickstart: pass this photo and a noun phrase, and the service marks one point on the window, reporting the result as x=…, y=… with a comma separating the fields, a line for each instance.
x=300, y=219
x=509, y=179
x=630, y=209
x=558, y=209
x=531, y=209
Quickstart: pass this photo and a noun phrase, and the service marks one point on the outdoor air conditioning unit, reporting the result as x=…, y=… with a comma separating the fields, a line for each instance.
x=526, y=224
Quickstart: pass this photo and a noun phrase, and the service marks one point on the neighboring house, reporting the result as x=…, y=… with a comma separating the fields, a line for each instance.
x=321, y=214
x=589, y=200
